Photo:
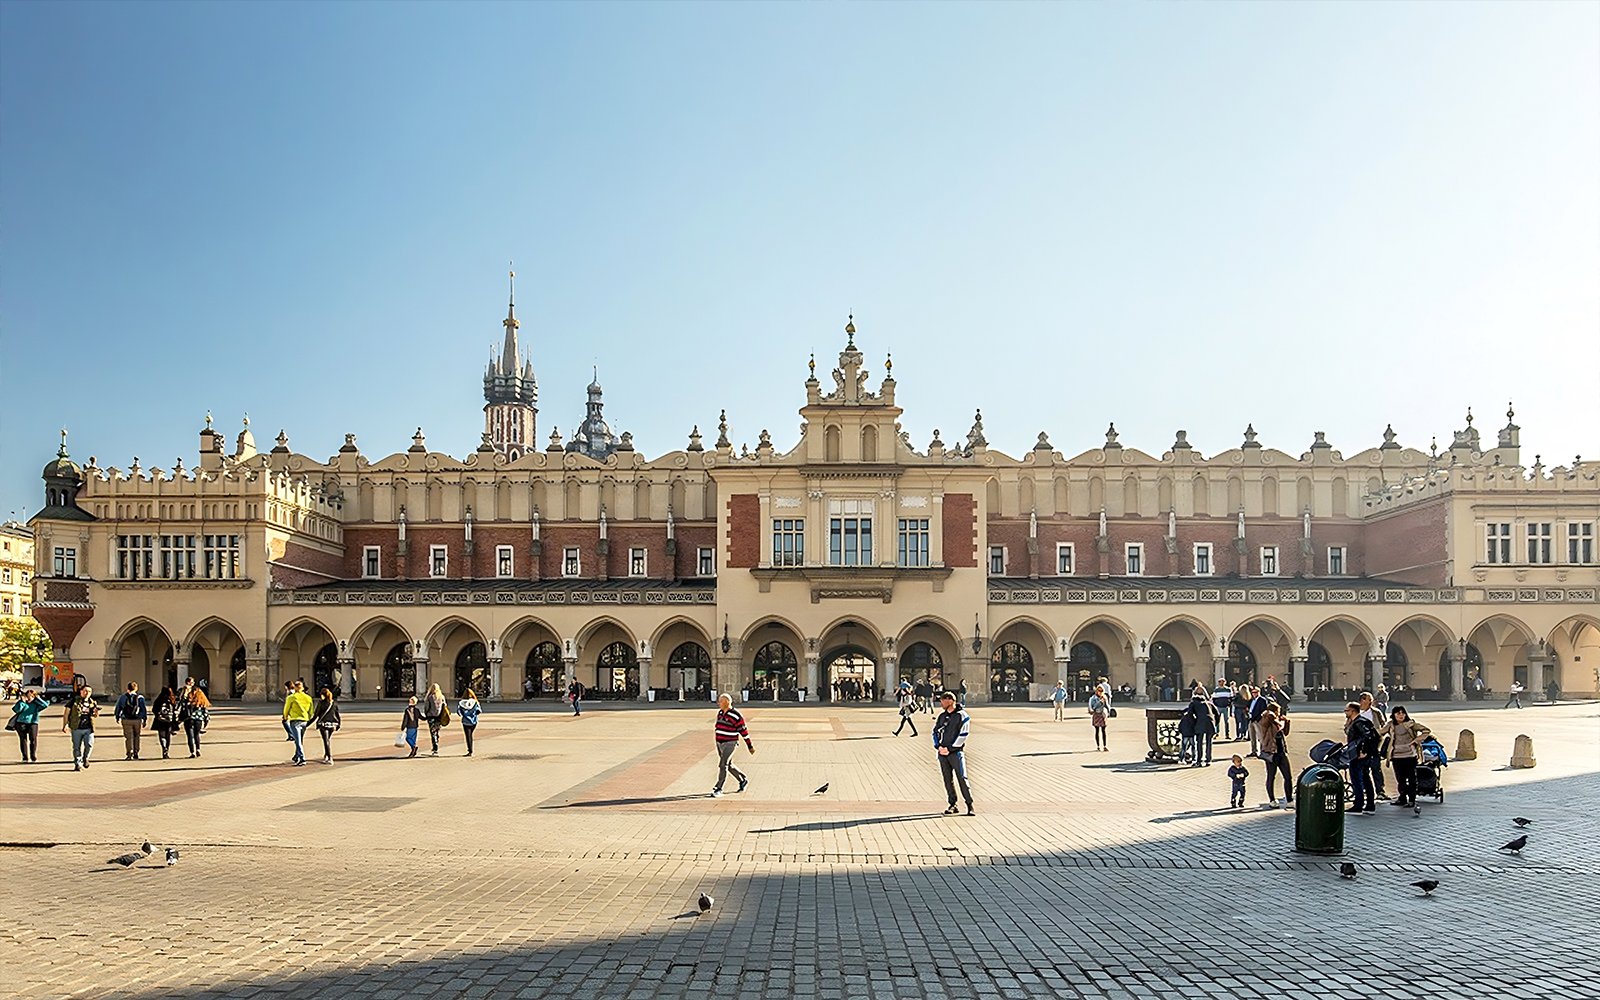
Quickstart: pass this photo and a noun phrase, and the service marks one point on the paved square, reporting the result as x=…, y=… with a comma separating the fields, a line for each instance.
x=565, y=857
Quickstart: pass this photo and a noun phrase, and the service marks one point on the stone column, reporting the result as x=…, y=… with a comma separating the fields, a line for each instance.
x=494, y=680
x=887, y=676
x=182, y=665
x=1063, y=668
x=260, y=673
x=1141, y=678
x=644, y=678
x=571, y=665
x=1219, y=668
x=1538, y=674
x=110, y=678
x=1377, y=674
x=1458, y=678
x=975, y=671
x=347, y=678
x=1297, y=677
x=813, y=674
x=725, y=676
x=420, y=665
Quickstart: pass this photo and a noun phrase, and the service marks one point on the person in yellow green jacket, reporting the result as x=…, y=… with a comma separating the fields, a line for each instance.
x=297, y=710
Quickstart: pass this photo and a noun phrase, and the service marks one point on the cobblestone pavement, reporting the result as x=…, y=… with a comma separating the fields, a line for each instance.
x=565, y=857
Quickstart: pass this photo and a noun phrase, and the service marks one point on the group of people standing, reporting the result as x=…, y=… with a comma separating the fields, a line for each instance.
x=187, y=709
x=1372, y=737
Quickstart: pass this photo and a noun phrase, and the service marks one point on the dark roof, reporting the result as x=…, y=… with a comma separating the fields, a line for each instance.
x=56, y=512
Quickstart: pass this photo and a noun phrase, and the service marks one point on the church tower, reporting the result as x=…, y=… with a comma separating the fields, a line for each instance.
x=512, y=392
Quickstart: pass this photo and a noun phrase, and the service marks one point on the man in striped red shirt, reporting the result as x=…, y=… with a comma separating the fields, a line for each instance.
x=730, y=728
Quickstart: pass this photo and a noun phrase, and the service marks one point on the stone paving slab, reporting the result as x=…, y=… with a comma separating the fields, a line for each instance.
x=563, y=860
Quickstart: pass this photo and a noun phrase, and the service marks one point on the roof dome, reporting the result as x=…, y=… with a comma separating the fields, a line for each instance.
x=62, y=467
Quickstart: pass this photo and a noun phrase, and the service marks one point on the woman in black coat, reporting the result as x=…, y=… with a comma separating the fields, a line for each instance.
x=1202, y=721
x=326, y=718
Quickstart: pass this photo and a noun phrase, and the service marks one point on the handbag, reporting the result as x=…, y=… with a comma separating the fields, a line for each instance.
x=444, y=715
x=11, y=724
x=1112, y=712
x=400, y=739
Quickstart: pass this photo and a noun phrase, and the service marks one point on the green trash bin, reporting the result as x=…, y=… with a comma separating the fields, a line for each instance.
x=1319, y=811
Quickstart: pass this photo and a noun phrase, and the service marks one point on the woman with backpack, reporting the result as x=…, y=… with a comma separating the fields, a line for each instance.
x=470, y=708
x=164, y=719
x=194, y=709
x=437, y=712
x=325, y=717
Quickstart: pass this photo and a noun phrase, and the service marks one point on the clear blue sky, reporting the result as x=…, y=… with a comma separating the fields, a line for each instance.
x=1309, y=216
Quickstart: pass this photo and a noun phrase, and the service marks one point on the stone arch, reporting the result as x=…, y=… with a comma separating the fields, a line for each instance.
x=520, y=636
x=1504, y=640
x=667, y=638
x=303, y=652
x=211, y=646
x=943, y=638
x=773, y=661
x=1006, y=681
x=603, y=625
x=850, y=651
x=1125, y=637
x=1348, y=643
x=1270, y=641
x=1421, y=640
x=1192, y=642
x=1116, y=640
x=143, y=652
x=766, y=622
x=369, y=647
x=1575, y=639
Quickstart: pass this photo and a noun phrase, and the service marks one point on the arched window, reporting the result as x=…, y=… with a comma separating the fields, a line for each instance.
x=1319, y=667
x=1241, y=668
x=689, y=671
x=1164, y=671
x=399, y=672
x=920, y=663
x=869, y=444
x=1396, y=667
x=544, y=675
x=472, y=670
x=832, y=444
x=617, y=671
x=1010, y=672
x=774, y=673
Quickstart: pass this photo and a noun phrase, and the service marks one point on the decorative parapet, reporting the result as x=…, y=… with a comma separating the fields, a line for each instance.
x=1253, y=592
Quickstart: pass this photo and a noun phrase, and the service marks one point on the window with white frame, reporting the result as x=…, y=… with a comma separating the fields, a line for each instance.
x=1066, y=559
x=1580, y=542
x=788, y=541
x=997, y=560
x=1336, y=560
x=570, y=564
x=5, y=606
x=1133, y=553
x=912, y=549
x=1202, y=559
x=5, y=575
x=220, y=555
x=177, y=557
x=371, y=562
x=136, y=557
x=1269, y=560
x=438, y=560
x=66, y=561
x=636, y=561
x=24, y=578
x=504, y=561
x=850, y=532
x=1539, y=542
x=708, y=561
x=1498, y=534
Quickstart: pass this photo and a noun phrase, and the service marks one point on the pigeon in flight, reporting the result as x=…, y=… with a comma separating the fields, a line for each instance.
x=705, y=902
x=1516, y=846
x=1347, y=870
x=172, y=856
x=822, y=789
x=1427, y=886
x=1521, y=821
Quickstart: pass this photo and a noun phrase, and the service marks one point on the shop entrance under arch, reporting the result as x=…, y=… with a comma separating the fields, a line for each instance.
x=1010, y=672
x=849, y=673
x=1164, y=671
x=472, y=670
x=544, y=673
x=920, y=664
x=399, y=672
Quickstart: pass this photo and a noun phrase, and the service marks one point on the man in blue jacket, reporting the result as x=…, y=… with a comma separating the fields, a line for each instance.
x=950, y=732
x=132, y=712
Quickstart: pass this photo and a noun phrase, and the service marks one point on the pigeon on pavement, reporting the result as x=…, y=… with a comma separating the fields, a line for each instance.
x=705, y=903
x=1347, y=870
x=126, y=860
x=172, y=856
x=821, y=790
x=1521, y=820
x=147, y=847
x=1516, y=846
x=1427, y=886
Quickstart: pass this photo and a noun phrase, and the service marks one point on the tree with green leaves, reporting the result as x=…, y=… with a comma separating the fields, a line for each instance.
x=23, y=640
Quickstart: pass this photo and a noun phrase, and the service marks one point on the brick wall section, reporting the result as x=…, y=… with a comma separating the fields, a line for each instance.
x=1409, y=545
x=744, y=530
x=961, y=531
x=296, y=558
x=487, y=537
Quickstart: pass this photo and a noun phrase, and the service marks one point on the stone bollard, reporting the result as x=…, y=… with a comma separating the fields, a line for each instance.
x=1466, y=746
x=1522, y=752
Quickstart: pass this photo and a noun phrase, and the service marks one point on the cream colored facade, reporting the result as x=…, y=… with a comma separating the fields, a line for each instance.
x=16, y=570
x=706, y=569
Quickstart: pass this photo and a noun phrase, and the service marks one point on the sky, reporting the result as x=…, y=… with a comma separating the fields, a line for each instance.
x=1309, y=217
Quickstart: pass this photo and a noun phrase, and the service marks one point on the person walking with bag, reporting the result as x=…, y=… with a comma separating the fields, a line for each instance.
x=25, y=720
x=908, y=708
x=409, y=723
x=79, y=721
x=575, y=695
x=1099, y=711
x=469, y=708
x=132, y=712
x=194, y=710
x=325, y=717
x=164, y=720
x=730, y=727
x=437, y=713
x=297, y=709
x=950, y=732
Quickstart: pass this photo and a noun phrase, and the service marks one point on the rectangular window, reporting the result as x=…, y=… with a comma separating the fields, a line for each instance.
x=636, y=562
x=66, y=562
x=850, y=541
x=1499, y=535
x=1134, y=553
x=438, y=560
x=1539, y=543
x=5, y=575
x=788, y=542
x=997, y=560
x=504, y=563
x=177, y=557
x=913, y=542
x=1269, y=560
x=1580, y=543
x=371, y=562
x=1065, y=559
x=1202, y=559
x=1336, y=560
x=24, y=578
x=135, y=557
x=221, y=556
x=570, y=565
x=708, y=561
x=5, y=606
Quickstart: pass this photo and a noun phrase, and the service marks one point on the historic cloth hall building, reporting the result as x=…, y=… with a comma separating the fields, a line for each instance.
x=852, y=554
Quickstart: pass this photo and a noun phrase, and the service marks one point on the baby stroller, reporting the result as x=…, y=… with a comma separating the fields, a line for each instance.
x=1431, y=762
x=1332, y=754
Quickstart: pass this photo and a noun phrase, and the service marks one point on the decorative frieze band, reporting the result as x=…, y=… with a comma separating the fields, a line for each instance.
x=490, y=597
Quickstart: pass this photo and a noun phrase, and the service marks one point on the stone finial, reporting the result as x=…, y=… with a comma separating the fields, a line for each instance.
x=1250, y=437
x=487, y=445
x=766, y=440
x=1111, y=436
x=555, y=440
x=1043, y=444
x=208, y=420
x=975, y=438
x=349, y=443
x=1320, y=440
x=813, y=366
x=625, y=443
x=935, y=443
x=1389, y=438
x=1182, y=442
x=722, y=432
x=281, y=443
x=694, y=439
x=418, y=441
x=850, y=329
